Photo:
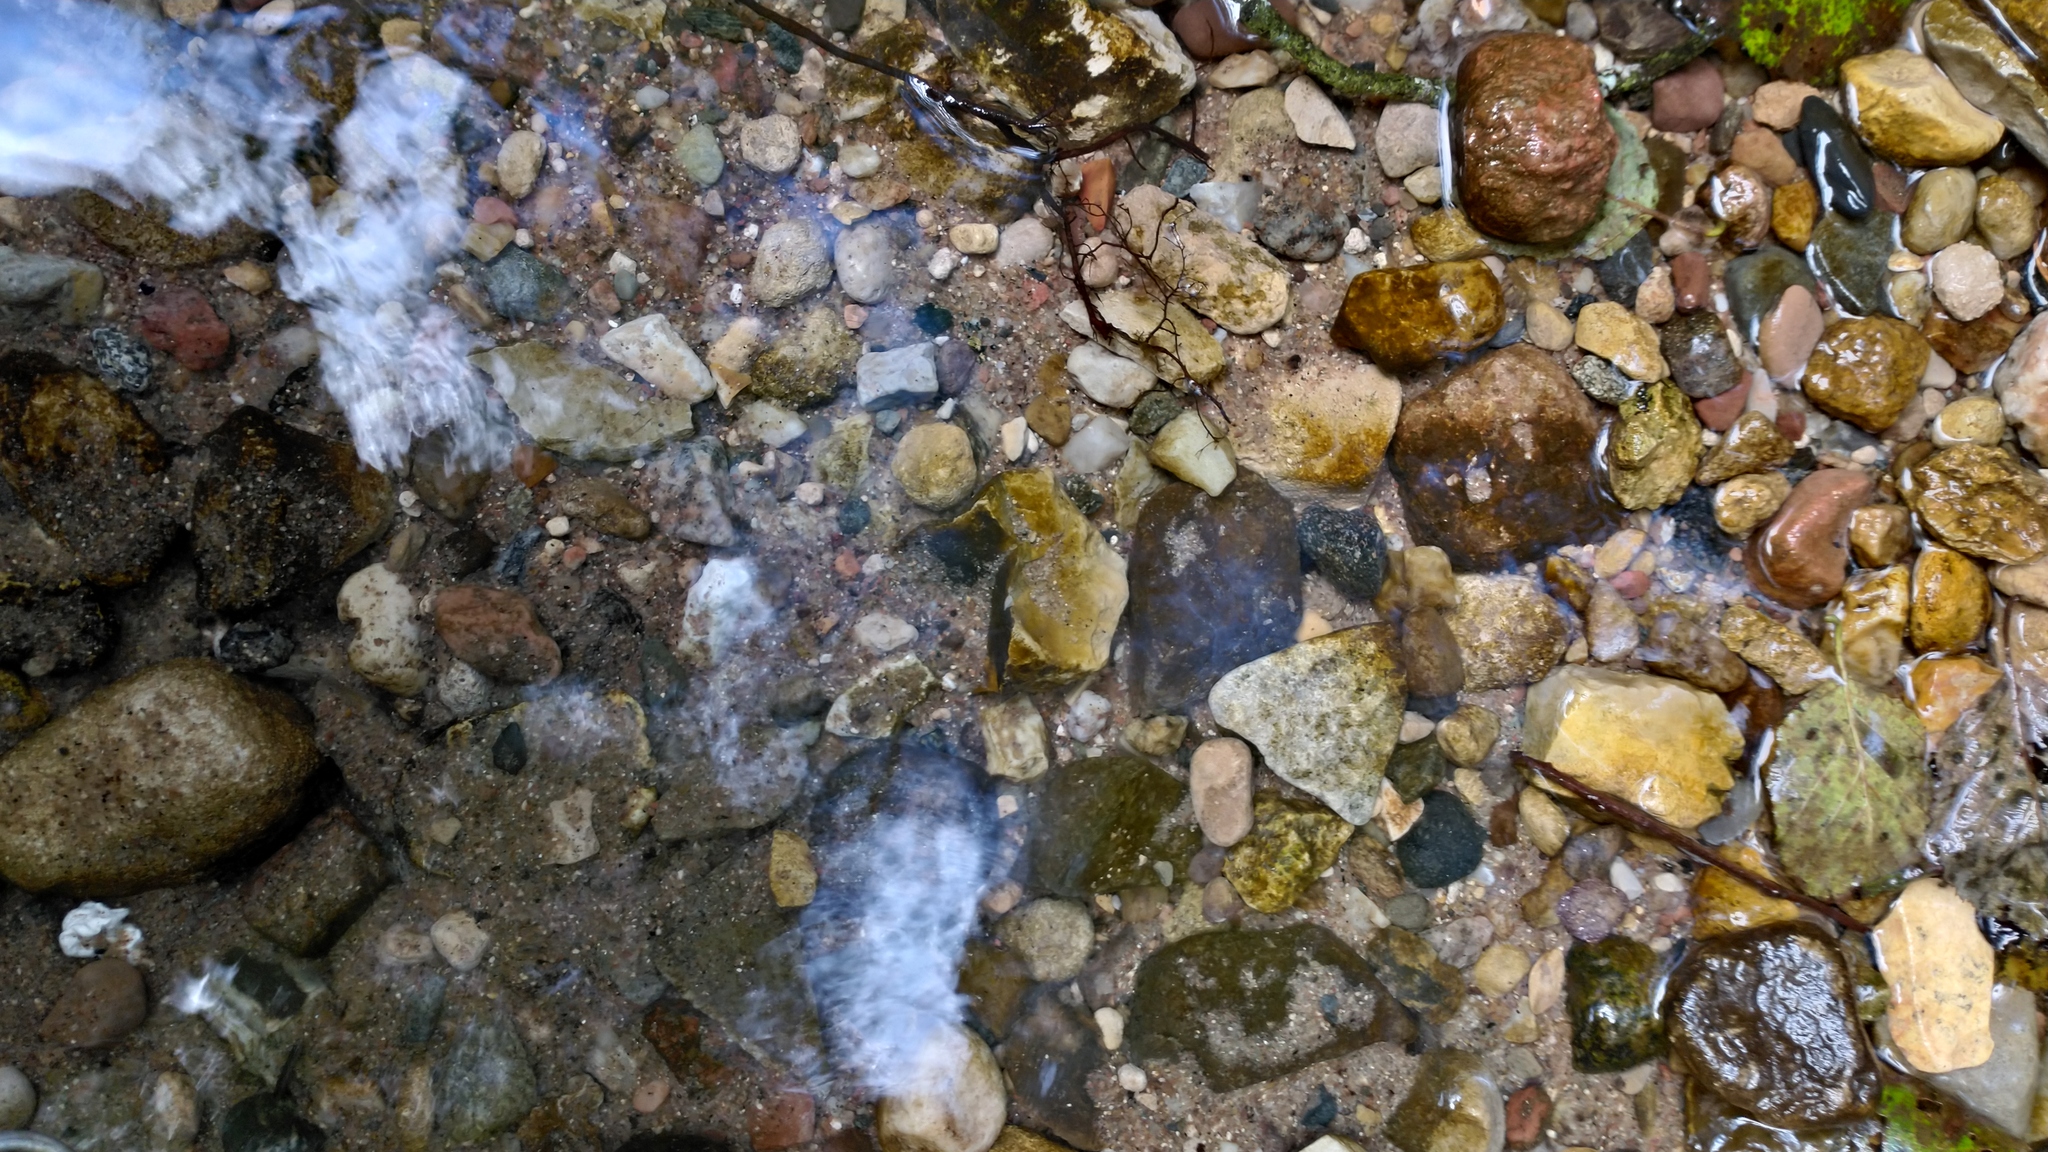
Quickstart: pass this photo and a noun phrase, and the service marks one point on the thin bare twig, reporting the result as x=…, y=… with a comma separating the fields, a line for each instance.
x=1626, y=813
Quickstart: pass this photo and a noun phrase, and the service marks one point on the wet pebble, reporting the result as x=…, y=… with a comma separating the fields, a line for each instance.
x=1346, y=546
x=1220, y=784
x=1610, y=998
x=1866, y=371
x=1591, y=909
x=1701, y=361
x=1405, y=318
x=1943, y=206
x=497, y=632
x=1837, y=160
x=1442, y=847
x=862, y=257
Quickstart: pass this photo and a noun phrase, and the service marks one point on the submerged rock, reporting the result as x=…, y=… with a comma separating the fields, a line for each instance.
x=1227, y=277
x=1766, y=1019
x=1324, y=714
x=276, y=508
x=1099, y=823
x=1611, y=998
x=1496, y=463
x=1982, y=502
x=1292, y=843
x=485, y=1084
x=579, y=410
x=1508, y=631
x=1234, y=1000
x=150, y=781
x=1215, y=583
x=1092, y=69
x=1654, y=451
x=1453, y=1106
x=90, y=471
x=1063, y=586
x=1318, y=432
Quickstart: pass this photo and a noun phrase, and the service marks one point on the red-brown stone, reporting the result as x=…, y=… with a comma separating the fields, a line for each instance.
x=182, y=322
x=498, y=633
x=1532, y=136
x=1801, y=557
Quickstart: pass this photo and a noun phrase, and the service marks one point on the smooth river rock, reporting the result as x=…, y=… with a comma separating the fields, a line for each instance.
x=1404, y=318
x=150, y=781
x=1532, y=144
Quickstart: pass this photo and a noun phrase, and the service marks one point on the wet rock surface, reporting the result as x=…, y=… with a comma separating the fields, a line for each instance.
x=1532, y=144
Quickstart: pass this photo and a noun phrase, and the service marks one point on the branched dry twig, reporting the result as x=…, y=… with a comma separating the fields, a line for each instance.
x=1626, y=813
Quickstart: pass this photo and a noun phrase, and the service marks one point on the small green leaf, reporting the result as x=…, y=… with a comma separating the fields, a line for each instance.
x=1849, y=790
x=1918, y=1119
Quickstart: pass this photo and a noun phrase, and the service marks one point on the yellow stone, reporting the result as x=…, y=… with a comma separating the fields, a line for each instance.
x=1066, y=585
x=1448, y=235
x=1940, y=969
x=1911, y=113
x=1292, y=843
x=1721, y=903
x=1946, y=688
x=1610, y=331
x=1323, y=429
x=1407, y=318
x=1793, y=210
x=1659, y=744
x=792, y=878
x=1870, y=633
x=1951, y=601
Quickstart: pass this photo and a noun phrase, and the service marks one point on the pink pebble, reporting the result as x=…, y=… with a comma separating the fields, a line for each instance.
x=1631, y=584
x=491, y=210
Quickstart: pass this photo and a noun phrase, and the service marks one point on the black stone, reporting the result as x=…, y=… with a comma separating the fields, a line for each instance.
x=798, y=698
x=267, y=1123
x=266, y=982
x=70, y=628
x=785, y=49
x=1346, y=546
x=1852, y=257
x=1215, y=583
x=517, y=553
x=1444, y=846
x=250, y=647
x=932, y=320
x=508, y=751
x=1082, y=493
x=1841, y=168
x=1622, y=273
x=1323, y=1112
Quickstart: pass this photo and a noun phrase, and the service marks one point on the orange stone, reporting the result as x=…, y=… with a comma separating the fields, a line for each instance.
x=1098, y=188
x=1723, y=903
x=1944, y=689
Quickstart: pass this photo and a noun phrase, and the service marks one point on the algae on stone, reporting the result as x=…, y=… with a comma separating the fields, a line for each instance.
x=1292, y=843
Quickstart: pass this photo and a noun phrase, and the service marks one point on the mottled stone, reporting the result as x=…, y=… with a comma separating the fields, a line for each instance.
x=1508, y=632
x=1292, y=843
x=151, y=780
x=276, y=508
x=1654, y=451
x=1951, y=601
x=1610, y=998
x=1225, y=275
x=577, y=409
x=1852, y=258
x=1453, y=1106
x=1324, y=714
x=1790, y=658
x=87, y=467
x=1753, y=444
x=1696, y=349
x=1230, y=999
x=1405, y=318
x=1988, y=71
x=1100, y=822
x=1983, y=502
x=1415, y=974
x=1533, y=144
x=1516, y=421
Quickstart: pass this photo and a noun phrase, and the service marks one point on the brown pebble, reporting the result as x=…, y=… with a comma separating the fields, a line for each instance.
x=498, y=633
x=1528, y=1111
x=104, y=1001
x=1760, y=148
x=787, y=1119
x=1692, y=282
x=1720, y=412
x=1892, y=193
x=1801, y=557
x=1504, y=824
x=1209, y=31
x=1741, y=197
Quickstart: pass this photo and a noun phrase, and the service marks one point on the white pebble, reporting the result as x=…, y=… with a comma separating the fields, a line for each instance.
x=882, y=632
x=1111, y=1023
x=1414, y=726
x=1624, y=878
x=1131, y=1077
x=460, y=940
x=17, y=1099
